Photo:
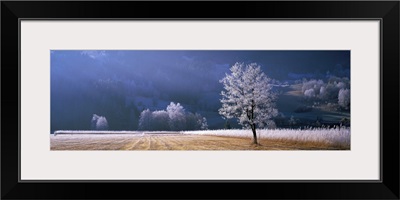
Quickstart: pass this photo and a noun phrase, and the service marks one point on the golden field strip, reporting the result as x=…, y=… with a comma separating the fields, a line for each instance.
x=177, y=142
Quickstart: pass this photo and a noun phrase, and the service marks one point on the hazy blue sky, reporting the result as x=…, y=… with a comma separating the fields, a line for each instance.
x=280, y=64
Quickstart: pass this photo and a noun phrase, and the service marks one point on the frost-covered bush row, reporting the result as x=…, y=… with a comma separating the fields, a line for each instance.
x=174, y=118
x=312, y=87
x=334, y=136
x=325, y=91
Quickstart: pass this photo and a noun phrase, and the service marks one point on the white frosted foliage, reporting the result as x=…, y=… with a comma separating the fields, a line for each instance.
x=145, y=120
x=102, y=124
x=247, y=96
x=176, y=114
x=309, y=93
x=344, y=98
x=94, y=121
x=174, y=118
x=99, y=122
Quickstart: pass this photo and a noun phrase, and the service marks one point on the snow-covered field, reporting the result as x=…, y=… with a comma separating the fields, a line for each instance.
x=334, y=136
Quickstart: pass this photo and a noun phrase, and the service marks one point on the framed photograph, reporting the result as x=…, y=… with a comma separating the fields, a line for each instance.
x=278, y=96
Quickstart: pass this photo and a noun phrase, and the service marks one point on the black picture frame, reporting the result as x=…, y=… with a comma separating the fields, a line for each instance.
x=386, y=11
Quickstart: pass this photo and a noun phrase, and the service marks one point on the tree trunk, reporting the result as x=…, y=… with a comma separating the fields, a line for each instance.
x=253, y=128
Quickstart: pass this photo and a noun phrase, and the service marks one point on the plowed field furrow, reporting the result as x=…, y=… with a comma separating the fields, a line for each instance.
x=138, y=142
x=162, y=145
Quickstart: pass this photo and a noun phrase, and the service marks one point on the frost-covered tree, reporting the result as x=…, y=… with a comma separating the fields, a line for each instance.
x=195, y=122
x=102, y=123
x=344, y=98
x=159, y=120
x=309, y=93
x=329, y=92
x=145, y=120
x=203, y=123
x=94, y=121
x=247, y=96
x=312, y=84
x=341, y=85
x=177, y=119
x=322, y=92
x=192, y=121
x=98, y=123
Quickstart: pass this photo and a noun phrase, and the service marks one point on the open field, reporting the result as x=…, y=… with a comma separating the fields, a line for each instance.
x=179, y=141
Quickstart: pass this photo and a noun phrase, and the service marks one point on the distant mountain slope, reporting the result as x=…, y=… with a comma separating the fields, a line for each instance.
x=291, y=102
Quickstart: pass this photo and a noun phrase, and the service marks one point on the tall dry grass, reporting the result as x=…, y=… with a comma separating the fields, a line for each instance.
x=337, y=137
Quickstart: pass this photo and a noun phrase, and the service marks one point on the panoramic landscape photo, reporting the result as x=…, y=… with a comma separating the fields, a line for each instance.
x=200, y=100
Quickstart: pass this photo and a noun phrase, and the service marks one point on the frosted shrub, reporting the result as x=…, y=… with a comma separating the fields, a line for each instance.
x=102, y=123
x=177, y=119
x=94, y=121
x=98, y=123
x=341, y=85
x=309, y=93
x=145, y=120
x=204, y=125
x=344, y=98
x=312, y=84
